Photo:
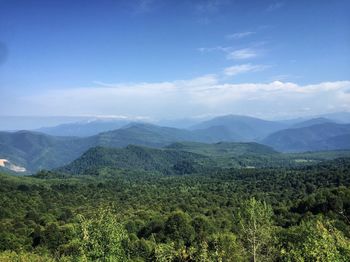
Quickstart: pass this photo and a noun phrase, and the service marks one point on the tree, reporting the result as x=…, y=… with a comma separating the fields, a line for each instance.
x=178, y=228
x=256, y=229
x=102, y=237
x=227, y=248
x=314, y=240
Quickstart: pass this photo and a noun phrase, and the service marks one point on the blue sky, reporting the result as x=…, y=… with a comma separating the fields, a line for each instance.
x=173, y=59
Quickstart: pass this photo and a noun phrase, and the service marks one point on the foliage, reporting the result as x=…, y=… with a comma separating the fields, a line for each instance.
x=315, y=240
x=101, y=238
x=300, y=213
x=11, y=256
x=256, y=229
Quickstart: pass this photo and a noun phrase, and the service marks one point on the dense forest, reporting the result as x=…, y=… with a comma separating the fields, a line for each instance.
x=286, y=213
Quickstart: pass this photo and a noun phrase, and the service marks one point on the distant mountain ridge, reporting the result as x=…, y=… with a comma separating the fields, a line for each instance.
x=35, y=151
x=312, y=122
x=84, y=128
x=241, y=128
x=327, y=136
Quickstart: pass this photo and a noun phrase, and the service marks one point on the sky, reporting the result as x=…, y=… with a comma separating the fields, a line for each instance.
x=174, y=59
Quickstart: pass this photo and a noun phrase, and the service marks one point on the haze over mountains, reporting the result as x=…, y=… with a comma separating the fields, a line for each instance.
x=84, y=128
x=62, y=144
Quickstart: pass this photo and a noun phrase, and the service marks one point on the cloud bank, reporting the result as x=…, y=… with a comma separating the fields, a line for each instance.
x=199, y=96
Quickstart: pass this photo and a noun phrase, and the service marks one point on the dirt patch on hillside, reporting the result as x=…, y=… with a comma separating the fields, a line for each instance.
x=3, y=161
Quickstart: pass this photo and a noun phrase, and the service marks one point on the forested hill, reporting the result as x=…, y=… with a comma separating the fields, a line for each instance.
x=177, y=158
x=191, y=158
x=165, y=161
x=220, y=148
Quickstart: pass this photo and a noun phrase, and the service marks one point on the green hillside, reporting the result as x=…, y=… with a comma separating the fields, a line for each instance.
x=253, y=155
x=191, y=158
x=165, y=161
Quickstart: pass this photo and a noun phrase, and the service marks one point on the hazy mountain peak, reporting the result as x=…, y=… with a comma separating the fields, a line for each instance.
x=324, y=136
x=313, y=121
x=244, y=128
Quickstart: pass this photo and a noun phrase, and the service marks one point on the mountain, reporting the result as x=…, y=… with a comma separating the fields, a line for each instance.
x=238, y=128
x=327, y=136
x=183, y=123
x=84, y=128
x=142, y=134
x=157, y=136
x=339, y=117
x=132, y=157
x=176, y=158
x=335, y=142
x=312, y=121
x=34, y=151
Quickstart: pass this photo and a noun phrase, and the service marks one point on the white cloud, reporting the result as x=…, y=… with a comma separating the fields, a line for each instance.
x=211, y=49
x=240, y=35
x=186, y=98
x=244, y=68
x=233, y=54
x=241, y=54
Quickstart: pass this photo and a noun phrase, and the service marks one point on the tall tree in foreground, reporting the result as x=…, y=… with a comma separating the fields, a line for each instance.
x=256, y=229
x=101, y=238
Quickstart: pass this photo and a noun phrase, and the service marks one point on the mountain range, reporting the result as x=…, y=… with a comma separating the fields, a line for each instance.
x=84, y=128
x=327, y=136
x=88, y=126
x=34, y=150
x=240, y=128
